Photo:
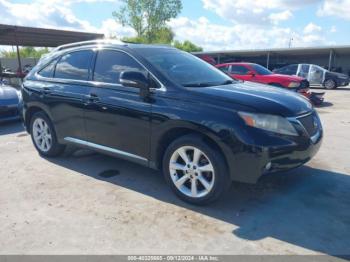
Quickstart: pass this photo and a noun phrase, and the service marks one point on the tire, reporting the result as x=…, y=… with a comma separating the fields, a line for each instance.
x=330, y=84
x=210, y=185
x=43, y=133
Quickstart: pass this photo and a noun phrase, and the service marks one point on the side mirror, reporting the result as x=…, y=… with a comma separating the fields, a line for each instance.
x=135, y=79
x=251, y=73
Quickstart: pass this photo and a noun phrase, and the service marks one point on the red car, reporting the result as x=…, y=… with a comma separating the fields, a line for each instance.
x=257, y=73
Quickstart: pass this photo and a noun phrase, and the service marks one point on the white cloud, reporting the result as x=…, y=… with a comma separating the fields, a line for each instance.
x=241, y=36
x=337, y=8
x=333, y=29
x=281, y=16
x=256, y=12
x=312, y=28
x=57, y=14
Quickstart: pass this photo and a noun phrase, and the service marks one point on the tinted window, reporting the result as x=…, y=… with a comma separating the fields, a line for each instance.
x=184, y=68
x=74, y=65
x=224, y=68
x=260, y=70
x=48, y=70
x=109, y=65
x=239, y=70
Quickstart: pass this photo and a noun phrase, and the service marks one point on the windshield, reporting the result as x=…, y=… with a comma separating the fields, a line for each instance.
x=186, y=69
x=260, y=70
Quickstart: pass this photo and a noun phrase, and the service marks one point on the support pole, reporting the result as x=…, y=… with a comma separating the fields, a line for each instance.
x=19, y=61
x=219, y=59
x=330, y=60
x=268, y=60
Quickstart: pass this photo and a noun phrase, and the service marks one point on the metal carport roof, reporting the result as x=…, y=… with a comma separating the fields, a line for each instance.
x=41, y=37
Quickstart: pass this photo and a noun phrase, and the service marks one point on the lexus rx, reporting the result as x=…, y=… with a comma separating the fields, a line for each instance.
x=168, y=110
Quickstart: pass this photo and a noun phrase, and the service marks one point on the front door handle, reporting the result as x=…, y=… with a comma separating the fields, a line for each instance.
x=91, y=98
x=46, y=91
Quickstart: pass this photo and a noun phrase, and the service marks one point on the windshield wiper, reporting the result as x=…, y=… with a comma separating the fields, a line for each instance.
x=198, y=84
x=207, y=84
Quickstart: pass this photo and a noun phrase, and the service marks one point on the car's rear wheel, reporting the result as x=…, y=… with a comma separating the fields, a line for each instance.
x=44, y=136
x=330, y=84
x=196, y=172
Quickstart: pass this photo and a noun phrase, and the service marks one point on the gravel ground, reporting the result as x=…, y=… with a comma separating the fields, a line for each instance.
x=70, y=205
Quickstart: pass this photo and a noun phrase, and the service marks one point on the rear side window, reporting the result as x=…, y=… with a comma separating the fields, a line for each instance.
x=109, y=65
x=48, y=70
x=239, y=70
x=74, y=65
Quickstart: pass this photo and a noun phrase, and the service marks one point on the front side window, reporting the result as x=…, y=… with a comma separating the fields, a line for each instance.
x=109, y=65
x=184, y=68
x=239, y=70
x=75, y=65
x=48, y=70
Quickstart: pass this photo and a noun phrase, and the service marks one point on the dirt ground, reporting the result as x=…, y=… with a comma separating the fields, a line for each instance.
x=70, y=205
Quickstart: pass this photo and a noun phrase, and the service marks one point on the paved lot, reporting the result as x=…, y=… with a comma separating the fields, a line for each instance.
x=65, y=206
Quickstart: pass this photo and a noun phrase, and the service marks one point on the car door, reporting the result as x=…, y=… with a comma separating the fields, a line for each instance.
x=316, y=75
x=65, y=91
x=117, y=118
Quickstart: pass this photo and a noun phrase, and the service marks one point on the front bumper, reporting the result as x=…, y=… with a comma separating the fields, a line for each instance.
x=262, y=152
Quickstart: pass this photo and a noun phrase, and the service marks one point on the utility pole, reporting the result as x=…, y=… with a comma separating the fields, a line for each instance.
x=290, y=42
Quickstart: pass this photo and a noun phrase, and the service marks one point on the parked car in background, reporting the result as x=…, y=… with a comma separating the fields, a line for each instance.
x=10, y=103
x=207, y=58
x=154, y=105
x=257, y=73
x=316, y=75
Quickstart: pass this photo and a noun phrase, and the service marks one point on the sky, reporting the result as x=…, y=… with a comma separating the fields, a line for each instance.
x=212, y=24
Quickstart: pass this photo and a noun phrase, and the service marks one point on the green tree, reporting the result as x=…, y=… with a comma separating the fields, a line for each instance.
x=25, y=52
x=163, y=36
x=148, y=18
x=187, y=46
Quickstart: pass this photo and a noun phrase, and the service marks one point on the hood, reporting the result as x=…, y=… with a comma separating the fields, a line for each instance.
x=261, y=98
x=288, y=77
x=8, y=95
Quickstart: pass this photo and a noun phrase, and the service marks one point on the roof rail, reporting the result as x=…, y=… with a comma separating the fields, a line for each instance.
x=90, y=42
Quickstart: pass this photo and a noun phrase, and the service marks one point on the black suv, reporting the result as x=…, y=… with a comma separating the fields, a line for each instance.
x=168, y=110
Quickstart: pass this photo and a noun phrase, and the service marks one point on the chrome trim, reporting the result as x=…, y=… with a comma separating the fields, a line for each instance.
x=316, y=136
x=104, y=148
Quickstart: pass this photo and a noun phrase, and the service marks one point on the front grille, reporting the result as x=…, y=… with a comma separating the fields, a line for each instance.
x=310, y=123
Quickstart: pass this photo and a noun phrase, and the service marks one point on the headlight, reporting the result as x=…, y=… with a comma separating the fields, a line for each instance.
x=273, y=123
x=294, y=84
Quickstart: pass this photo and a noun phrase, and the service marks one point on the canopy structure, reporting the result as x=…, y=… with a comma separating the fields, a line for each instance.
x=330, y=56
x=40, y=37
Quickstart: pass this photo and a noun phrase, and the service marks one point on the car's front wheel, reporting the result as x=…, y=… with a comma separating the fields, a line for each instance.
x=196, y=172
x=44, y=136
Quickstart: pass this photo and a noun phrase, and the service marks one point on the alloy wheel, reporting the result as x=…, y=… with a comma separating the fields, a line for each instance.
x=42, y=135
x=192, y=172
